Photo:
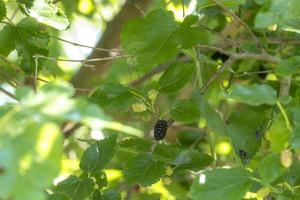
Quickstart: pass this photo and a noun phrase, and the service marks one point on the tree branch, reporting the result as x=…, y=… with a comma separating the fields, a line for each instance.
x=109, y=40
x=234, y=57
x=259, y=45
x=9, y=94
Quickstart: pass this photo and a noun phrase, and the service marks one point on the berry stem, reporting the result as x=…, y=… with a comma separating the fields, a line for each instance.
x=286, y=119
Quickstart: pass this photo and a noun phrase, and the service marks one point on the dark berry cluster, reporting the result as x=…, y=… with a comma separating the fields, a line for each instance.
x=160, y=129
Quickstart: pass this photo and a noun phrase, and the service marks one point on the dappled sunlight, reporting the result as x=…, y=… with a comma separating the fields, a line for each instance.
x=160, y=188
x=202, y=179
x=113, y=174
x=49, y=134
x=25, y=163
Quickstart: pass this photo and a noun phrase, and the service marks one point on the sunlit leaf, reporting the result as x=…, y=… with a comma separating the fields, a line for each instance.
x=47, y=13
x=225, y=184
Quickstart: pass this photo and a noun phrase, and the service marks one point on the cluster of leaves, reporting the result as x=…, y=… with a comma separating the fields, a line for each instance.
x=254, y=106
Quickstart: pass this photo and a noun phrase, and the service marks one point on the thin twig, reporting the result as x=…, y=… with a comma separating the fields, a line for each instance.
x=148, y=75
x=225, y=65
x=8, y=94
x=224, y=37
x=228, y=53
x=14, y=14
x=183, y=11
x=243, y=24
x=233, y=57
x=285, y=116
x=252, y=73
x=140, y=9
x=82, y=61
x=85, y=46
x=168, y=3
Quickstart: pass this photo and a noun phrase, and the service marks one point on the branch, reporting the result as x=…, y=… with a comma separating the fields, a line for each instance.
x=226, y=64
x=9, y=94
x=86, y=46
x=234, y=57
x=82, y=61
x=242, y=23
x=145, y=77
x=110, y=39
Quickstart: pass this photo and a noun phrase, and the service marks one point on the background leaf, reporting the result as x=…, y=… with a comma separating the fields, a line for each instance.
x=2, y=10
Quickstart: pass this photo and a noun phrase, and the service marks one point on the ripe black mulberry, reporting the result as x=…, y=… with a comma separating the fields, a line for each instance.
x=160, y=129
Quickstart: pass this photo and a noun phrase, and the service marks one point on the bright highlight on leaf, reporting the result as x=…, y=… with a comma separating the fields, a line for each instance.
x=47, y=13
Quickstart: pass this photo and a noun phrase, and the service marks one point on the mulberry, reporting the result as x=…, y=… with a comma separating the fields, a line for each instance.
x=160, y=129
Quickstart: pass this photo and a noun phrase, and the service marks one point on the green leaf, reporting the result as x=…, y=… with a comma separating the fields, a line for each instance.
x=175, y=77
x=227, y=3
x=295, y=141
x=98, y=155
x=187, y=36
x=96, y=195
x=213, y=119
x=264, y=20
x=57, y=197
x=143, y=169
x=76, y=188
x=225, y=184
x=254, y=94
x=112, y=95
x=185, y=111
x=193, y=160
x=270, y=168
x=7, y=40
x=162, y=152
x=284, y=14
x=111, y=195
x=244, y=129
x=47, y=13
x=279, y=135
x=34, y=162
x=2, y=10
x=31, y=39
x=148, y=40
x=28, y=3
x=289, y=66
